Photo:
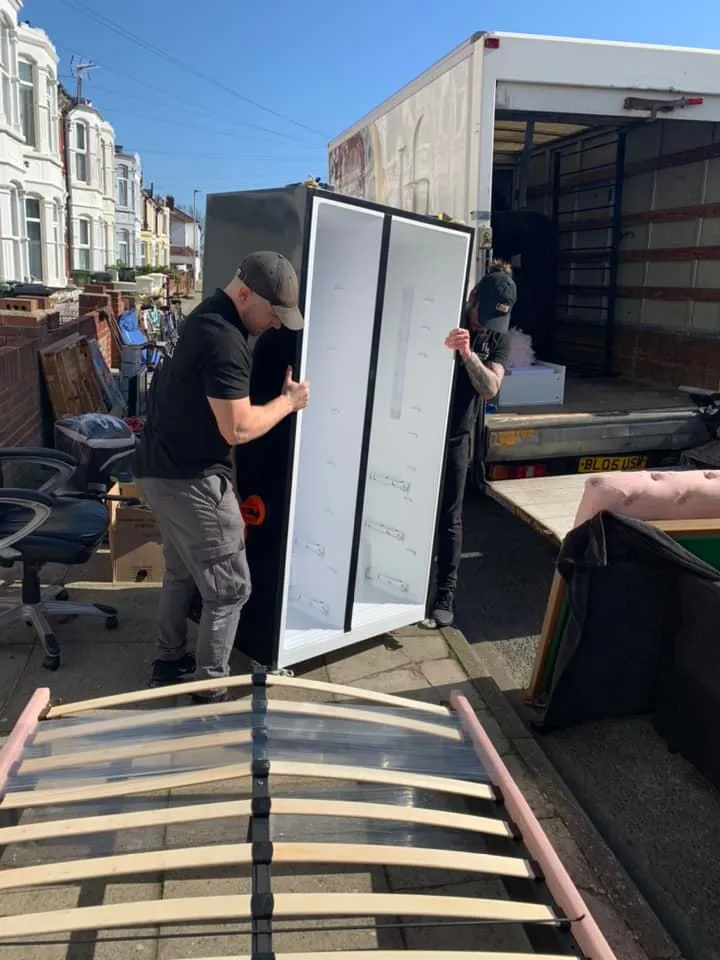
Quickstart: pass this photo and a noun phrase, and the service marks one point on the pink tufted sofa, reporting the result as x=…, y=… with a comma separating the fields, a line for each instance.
x=653, y=495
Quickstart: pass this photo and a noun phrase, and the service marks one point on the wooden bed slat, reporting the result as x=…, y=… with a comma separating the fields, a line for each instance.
x=241, y=854
x=135, y=751
x=244, y=680
x=404, y=955
x=150, y=913
x=282, y=768
x=288, y=806
x=53, y=732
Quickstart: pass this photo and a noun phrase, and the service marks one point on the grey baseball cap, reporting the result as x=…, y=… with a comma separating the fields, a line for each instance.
x=272, y=277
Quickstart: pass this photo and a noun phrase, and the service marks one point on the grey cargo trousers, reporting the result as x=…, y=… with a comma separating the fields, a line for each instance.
x=203, y=537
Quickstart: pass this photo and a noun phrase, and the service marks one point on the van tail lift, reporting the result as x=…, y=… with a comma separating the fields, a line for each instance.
x=655, y=106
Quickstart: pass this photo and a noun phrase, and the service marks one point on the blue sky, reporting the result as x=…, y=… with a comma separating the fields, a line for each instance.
x=193, y=107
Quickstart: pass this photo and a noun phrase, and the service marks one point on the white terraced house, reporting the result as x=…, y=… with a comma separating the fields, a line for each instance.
x=32, y=186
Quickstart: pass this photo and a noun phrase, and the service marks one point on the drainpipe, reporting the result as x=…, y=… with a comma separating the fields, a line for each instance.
x=68, y=189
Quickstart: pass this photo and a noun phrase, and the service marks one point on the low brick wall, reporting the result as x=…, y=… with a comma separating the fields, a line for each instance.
x=20, y=411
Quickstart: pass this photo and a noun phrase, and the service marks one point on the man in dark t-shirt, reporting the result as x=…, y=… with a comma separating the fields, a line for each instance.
x=199, y=408
x=482, y=347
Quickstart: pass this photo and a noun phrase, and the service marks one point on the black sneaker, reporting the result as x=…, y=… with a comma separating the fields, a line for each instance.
x=167, y=672
x=442, y=609
x=213, y=698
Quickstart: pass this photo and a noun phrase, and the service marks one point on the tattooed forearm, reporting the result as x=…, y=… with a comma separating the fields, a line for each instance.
x=485, y=381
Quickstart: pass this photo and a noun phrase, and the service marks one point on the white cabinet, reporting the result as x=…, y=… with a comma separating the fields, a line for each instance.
x=350, y=486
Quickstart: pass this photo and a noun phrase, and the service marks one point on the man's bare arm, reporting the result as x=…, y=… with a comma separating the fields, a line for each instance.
x=239, y=421
x=486, y=379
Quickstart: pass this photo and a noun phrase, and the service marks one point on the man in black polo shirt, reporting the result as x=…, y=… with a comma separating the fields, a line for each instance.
x=482, y=347
x=198, y=409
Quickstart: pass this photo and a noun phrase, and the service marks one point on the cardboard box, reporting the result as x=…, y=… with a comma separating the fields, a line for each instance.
x=135, y=548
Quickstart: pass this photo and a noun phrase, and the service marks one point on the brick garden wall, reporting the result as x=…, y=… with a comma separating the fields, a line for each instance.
x=26, y=327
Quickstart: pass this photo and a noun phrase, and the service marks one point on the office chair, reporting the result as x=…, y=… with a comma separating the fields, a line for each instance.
x=48, y=525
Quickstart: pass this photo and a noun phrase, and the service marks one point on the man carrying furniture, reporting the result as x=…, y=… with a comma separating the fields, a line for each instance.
x=198, y=409
x=482, y=346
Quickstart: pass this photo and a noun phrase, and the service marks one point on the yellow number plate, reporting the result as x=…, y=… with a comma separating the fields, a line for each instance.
x=605, y=464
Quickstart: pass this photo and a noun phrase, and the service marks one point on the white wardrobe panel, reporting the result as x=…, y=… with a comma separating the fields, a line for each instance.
x=424, y=291
x=343, y=267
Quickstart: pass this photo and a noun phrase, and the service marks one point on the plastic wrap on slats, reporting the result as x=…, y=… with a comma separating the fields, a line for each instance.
x=206, y=830
x=157, y=749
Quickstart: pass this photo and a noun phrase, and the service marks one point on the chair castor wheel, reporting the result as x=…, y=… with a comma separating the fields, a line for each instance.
x=63, y=595
x=51, y=661
x=112, y=623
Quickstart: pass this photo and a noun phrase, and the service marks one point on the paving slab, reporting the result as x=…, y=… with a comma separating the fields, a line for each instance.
x=368, y=659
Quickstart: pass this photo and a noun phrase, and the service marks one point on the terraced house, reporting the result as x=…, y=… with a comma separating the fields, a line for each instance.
x=90, y=159
x=32, y=185
x=128, y=208
x=155, y=234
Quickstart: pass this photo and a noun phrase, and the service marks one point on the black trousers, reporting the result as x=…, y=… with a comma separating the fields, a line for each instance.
x=449, y=545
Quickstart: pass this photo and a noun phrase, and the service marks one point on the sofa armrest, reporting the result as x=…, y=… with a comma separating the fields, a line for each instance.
x=38, y=503
x=62, y=463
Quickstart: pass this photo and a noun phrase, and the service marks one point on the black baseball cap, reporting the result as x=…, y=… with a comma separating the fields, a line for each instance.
x=495, y=297
x=272, y=277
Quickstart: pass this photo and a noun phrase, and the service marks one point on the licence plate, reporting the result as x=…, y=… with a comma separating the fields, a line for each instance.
x=606, y=464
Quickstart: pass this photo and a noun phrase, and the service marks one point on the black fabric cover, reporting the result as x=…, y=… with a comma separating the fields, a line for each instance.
x=687, y=708
x=264, y=469
x=238, y=224
x=641, y=636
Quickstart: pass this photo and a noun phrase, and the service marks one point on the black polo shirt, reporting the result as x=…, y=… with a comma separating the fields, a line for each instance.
x=492, y=347
x=212, y=358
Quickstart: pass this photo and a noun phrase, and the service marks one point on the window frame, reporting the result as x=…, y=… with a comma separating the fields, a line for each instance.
x=124, y=241
x=126, y=181
x=51, y=107
x=16, y=232
x=7, y=78
x=82, y=152
x=32, y=115
x=58, y=244
x=84, y=247
x=34, y=244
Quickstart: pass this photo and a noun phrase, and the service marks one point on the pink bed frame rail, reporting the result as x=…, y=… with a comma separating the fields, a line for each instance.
x=24, y=728
x=586, y=932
